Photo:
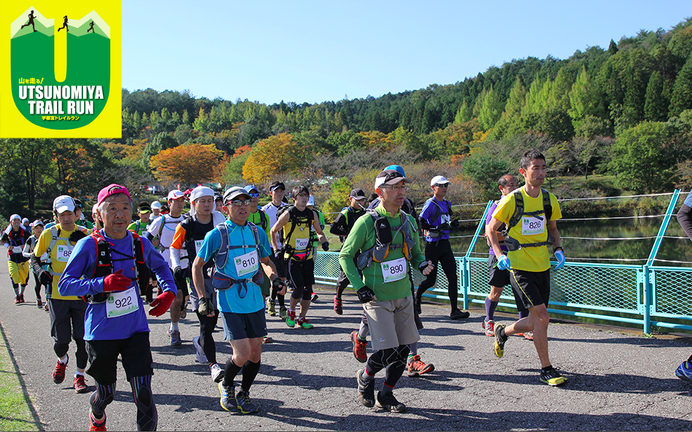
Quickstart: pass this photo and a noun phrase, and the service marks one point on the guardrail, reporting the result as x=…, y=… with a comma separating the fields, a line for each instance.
x=644, y=295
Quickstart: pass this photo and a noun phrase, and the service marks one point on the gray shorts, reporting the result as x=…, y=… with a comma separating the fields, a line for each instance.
x=391, y=323
x=67, y=319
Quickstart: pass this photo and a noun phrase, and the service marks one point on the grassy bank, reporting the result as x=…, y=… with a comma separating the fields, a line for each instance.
x=16, y=413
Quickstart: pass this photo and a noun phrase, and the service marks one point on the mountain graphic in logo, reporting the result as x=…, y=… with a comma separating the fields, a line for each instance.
x=60, y=77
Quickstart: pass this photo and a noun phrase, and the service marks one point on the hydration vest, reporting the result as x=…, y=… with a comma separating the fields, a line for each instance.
x=380, y=251
x=104, y=265
x=547, y=211
x=222, y=281
x=55, y=236
x=290, y=250
x=432, y=231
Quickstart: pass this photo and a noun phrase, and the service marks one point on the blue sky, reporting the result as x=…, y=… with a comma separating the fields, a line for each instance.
x=315, y=51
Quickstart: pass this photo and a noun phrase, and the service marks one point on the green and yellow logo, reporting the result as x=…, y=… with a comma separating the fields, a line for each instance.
x=64, y=73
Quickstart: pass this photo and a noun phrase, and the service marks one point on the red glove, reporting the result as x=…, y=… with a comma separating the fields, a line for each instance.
x=161, y=303
x=116, y=282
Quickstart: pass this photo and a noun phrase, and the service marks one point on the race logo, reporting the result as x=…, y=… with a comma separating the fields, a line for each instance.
x=64, y=73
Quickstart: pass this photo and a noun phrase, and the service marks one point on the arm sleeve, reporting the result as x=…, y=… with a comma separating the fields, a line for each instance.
x=353, y=244
x=339, y=226
x=27, y=249
x=685, y=220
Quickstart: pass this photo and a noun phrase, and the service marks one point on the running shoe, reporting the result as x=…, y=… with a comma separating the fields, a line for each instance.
x=528, y=335
x=489, y=327
x=314, y=297
x=228, y=401
x=21, y=298
x=97, y=426
x=272, y=307
x=684, y=371
x=59, y=371
x=552, y=377
x=389, y=403
x=45, y=306
x=459, y=314
x=338, y=309
x=199, y=352
x=217, y=372
x=245, y=405
x=39, y=303
x=359, y=348
x=80, y=385
x=366, y=390
x=16, y=299
x=416, y=367
x=267, y=339
x=175, y=337
x=499, y=341
x=283, y=313
x=305, y=323
x=291, y=319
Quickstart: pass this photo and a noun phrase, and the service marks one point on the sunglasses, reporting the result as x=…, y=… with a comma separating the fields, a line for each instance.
x=238, y=203
x=446, y=185
x=254, y=195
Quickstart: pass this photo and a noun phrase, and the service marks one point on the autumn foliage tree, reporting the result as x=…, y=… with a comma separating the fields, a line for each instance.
x=188, y=164
x=274, y=156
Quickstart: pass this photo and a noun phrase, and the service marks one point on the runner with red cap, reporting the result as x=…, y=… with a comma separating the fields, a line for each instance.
x=109, y=269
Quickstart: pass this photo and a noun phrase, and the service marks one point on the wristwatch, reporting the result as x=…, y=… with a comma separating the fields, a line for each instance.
x=557, y=249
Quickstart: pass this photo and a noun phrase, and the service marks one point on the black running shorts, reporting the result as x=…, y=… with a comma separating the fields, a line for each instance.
x=530, y=288
x=67, y=319
x=244, y=326
x=134, y=351
x=301, y=275
x=498, y=278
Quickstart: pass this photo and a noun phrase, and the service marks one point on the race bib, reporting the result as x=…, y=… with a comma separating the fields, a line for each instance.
x=302, y=244
x=532, y=225
x=393, y=270
x=122, y=303
x=198, y=245
x=17, y=249
x=63, y=252
x=246, y=264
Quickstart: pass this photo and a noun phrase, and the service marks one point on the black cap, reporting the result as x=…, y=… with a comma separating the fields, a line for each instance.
x=276, y=185
x=357, y=194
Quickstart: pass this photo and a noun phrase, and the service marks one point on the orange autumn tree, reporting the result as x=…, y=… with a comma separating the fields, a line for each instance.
x=189, y=164
x=276, y=155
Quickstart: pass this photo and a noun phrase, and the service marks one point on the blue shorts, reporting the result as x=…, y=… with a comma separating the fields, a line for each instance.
x=244, y=326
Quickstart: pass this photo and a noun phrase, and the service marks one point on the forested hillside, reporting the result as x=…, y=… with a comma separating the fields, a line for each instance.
x=623, y=113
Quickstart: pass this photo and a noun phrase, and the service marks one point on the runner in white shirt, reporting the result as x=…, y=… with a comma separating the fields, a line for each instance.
x=277, y=190
x=161, y=232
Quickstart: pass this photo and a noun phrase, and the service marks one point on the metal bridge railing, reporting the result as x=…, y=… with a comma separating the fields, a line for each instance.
x=643, y=295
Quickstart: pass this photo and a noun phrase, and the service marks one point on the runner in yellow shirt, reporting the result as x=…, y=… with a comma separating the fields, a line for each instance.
x=531, y=214
x=66, y=312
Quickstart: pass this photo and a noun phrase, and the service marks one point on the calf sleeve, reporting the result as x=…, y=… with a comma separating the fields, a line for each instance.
x=100, y=398
x=384, y=358
x=147, y=418
x=82, y=355
x=250, y=371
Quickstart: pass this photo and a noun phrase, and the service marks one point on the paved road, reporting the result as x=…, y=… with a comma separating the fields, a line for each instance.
x=617, y=381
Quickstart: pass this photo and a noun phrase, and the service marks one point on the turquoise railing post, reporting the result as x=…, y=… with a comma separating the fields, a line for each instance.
x=647, y=300
x=650, y=285
x=664, y=227
x=465, y=279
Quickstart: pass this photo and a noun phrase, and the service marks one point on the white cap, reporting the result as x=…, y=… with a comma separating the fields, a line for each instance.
x=63, y=203
x=25, y=222
x=15, y=216
x=311, y=201
x=201, y=191
x=437, y=180
x=155, y=205
x=175, y=194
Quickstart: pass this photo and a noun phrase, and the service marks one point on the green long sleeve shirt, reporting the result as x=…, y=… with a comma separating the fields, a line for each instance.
x=362, y=237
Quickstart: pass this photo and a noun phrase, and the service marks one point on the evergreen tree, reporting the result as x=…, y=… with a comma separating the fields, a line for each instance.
x=655, y=105
x=681, y=98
